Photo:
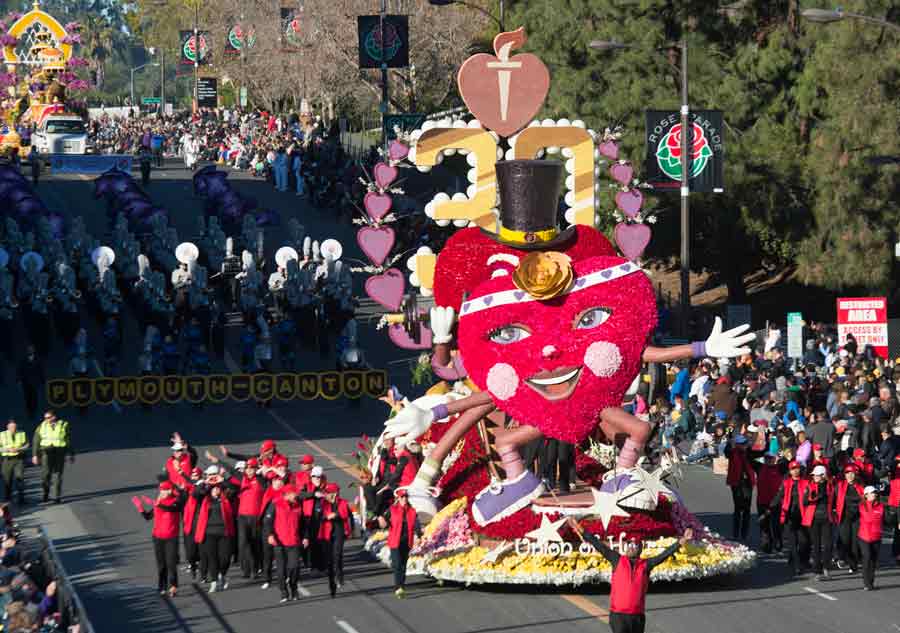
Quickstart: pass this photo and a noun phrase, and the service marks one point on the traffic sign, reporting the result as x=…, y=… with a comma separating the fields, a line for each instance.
x=150, y=100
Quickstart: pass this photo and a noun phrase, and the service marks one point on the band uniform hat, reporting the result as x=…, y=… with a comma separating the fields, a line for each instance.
x=529, y=199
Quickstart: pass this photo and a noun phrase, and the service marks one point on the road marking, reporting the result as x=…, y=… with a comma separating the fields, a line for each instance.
x=820, y=594
x=589, y=607
x=345, y=627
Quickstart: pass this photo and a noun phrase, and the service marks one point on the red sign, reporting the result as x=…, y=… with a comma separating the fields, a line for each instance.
x=866, y=319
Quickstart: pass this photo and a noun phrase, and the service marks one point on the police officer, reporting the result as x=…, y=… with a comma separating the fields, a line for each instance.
x=13, y=444
x=50, y=446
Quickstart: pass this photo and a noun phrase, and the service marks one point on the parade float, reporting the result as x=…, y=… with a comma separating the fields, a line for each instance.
x=553, y=325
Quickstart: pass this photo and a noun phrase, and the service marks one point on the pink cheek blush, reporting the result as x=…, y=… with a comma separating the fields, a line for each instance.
x=502, y=381
x=603, y=358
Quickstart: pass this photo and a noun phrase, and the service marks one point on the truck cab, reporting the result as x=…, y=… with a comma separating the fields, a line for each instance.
x=61, y=134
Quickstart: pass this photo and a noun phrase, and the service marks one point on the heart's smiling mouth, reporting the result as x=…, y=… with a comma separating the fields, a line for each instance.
x=557, y=384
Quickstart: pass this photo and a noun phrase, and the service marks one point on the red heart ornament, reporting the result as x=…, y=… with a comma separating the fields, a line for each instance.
x=401, y=338
x=397, y=150
x=610, y=149
x=504, y=92
x=621, y=173
x=376, y=242
x=632, y=239
x=630, y=202
x=384, y=175
x=377, y=204
x=387, y=289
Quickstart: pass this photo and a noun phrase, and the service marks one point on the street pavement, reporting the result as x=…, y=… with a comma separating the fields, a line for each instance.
x=105, y=545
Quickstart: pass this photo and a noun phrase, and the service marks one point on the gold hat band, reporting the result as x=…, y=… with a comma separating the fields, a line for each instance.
x=527, y=237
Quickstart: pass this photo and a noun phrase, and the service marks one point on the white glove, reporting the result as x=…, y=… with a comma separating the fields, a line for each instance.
x=726, y=344
x=410, y=423
x=441, y=323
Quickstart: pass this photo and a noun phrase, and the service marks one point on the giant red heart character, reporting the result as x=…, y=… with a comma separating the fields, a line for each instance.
x=556, y=364
x=505, y=92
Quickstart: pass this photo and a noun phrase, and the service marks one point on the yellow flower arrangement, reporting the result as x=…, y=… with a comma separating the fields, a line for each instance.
x=544, y=275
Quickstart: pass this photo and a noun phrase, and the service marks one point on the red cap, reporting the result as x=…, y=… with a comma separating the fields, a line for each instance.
x=288, y=489
x=166, y=485
x=332, y=487
x=268, y=445
x=400, y=493
x=817, y=447
x=280, y=461
x=850, y=468
x=723, y=381
x=897, y=458
x=195, y=471
x=307, y=459
x=793, y=464
x=858, y=452
x=252, y=463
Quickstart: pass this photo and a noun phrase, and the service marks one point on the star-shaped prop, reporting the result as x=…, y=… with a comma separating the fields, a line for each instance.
x=673, y=473
x=548, y=532
x=496, y=553
x=650, y=485
x=606, y=506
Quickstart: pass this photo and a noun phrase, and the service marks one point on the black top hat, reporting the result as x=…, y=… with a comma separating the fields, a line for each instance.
x=529, y=197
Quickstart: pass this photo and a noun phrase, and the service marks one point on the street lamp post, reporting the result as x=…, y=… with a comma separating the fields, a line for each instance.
x=134, y=70
x=501, y=21
x=687, y=133
x=836, y=15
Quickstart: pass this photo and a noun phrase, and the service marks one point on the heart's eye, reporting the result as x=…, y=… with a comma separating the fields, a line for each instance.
x=591, y=318
x=509, y=334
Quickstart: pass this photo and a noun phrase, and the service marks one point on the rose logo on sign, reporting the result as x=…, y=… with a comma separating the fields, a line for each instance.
x=668, y=152
x=189, y=49
x=237, y=38
x=392, y=42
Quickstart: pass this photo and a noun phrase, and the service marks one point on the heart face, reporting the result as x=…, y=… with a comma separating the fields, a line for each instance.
x=377, y=205
x=376, y=242
x=630, y=202
x=609, y=149
x=397, y=150
x=504, y=96
x=557, y=364
x=387, y=288
x=398, y=334
x=384, y=175
x=632, y=239
x=622, y=174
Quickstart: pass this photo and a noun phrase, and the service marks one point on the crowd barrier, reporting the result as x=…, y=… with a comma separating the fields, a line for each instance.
x=71, y=609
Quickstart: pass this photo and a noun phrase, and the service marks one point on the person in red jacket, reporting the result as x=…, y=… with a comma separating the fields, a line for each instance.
x=788, y=503
x=252, y=488
x=178, y=466
x=188, y=520
x=313, y=502
x=768, y=480
x=871, y=514
x=284, y=521
x=865, y=469
x=273, y=492
x=215, y=530
x=336, y=527
x=268, y=455
x=741, y=479
x=894, y=509
x=847, y=497
x=818, y=503
x=166, y=517
x=401, y=520
x=630, y=578
x=301, y=477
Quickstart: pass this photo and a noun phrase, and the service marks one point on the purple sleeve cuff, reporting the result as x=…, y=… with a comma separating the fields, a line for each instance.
x=440, y=412
x=698, y=349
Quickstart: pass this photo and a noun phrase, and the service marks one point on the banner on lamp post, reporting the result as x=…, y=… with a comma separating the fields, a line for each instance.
x=188, y=52
x=394, y=42
x=662, y=167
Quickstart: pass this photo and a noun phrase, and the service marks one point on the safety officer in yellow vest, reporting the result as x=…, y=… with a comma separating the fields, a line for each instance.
x=13, y=444
x=50, y=446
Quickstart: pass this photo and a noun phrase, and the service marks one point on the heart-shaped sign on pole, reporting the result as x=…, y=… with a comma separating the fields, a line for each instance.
x=609, y=149
x=377, y=204
x=630, y=202
x=376, y=242
x=384, y=175
x=397, y=150
x=504, y=91
x=632, y=239
x=387, y=288
x=621, y=173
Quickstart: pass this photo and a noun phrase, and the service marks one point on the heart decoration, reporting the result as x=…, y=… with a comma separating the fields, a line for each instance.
x=632, y=239
x=621, y=173
x=401, y=337
x=387, y=288
x=376, y=242
x=504, y=92
x=630, y=202
x=397, y=150
x=609, y=149
x=384, y=175
x=377, y=204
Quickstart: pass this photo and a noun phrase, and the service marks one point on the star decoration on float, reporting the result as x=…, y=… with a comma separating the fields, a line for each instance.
x=548, y=532
x=497, y=552
x=649, y=484
x=606, y=506
x=673, y=473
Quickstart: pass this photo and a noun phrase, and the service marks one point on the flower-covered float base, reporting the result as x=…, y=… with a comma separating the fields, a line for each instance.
x=450, y=550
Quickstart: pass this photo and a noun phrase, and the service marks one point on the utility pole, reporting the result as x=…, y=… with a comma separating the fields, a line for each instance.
x=196, y=57
x=686, y=144
x=162, y=81
x=385, y=104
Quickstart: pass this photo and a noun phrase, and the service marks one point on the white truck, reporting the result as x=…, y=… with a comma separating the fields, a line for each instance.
x=61, y=134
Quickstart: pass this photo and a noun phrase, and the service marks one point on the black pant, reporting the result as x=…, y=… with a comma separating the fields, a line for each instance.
x=288, y=568
x=166, y=550
x=742, y=495
x=893, y=518
x=796, y=539
x=399, y=556
x=820, y=537
x=268, y=556
x=769, y=528
x=248, y=544
x=191, y=550
x=848, y=543
x=335, y=553
x=627, y=622
x=869, y=559
x=216, y=550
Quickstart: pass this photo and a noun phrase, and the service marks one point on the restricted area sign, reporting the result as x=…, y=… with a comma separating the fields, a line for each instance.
x=866, y=319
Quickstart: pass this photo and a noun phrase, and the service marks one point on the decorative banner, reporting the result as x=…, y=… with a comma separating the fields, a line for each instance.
x=291, y=29
x=207, y=92
x=394, y=42
x=866, y=319
x=188, y=48
x=89, y=163
x=216, y=388
x=238, y=39
x=663, y=163
x=405, y=122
